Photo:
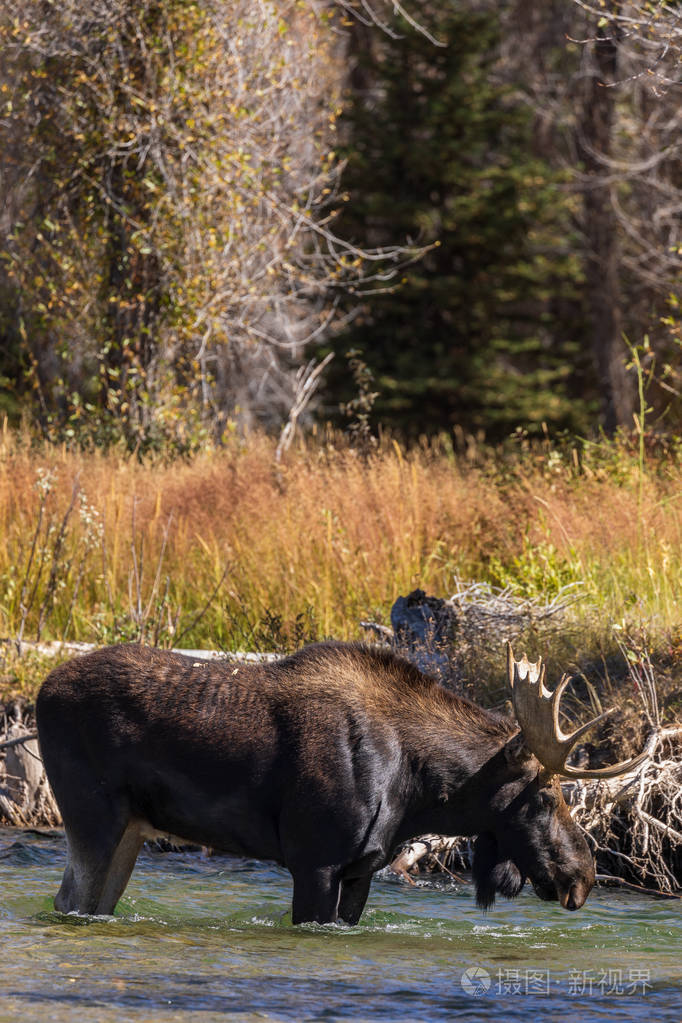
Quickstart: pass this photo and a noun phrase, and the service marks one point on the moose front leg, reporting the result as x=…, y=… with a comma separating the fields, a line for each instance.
x=316, y=895
x=354, y=892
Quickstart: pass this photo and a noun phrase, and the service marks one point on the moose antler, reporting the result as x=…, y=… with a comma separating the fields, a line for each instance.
x=537, y=712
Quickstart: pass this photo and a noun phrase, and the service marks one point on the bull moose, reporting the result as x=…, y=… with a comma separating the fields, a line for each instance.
x=323, y=761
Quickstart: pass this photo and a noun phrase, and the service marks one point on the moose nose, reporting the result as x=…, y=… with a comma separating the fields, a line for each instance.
x=573, y=897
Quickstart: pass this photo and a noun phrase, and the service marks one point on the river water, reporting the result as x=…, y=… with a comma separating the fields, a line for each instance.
x=203, y=938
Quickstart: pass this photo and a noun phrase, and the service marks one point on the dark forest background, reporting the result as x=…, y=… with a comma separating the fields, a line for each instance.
x=476, y=208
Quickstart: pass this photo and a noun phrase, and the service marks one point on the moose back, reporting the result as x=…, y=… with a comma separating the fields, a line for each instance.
x=323, y=761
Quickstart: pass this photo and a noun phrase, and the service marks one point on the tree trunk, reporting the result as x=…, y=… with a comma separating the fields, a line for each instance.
x=595, y=127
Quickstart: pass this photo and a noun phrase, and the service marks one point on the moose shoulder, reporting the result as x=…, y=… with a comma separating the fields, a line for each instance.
x=323, y=761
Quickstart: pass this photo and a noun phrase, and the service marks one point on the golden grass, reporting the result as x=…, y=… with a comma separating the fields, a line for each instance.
x=326, y=538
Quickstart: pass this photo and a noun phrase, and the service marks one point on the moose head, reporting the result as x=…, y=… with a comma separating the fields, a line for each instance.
x=534, y=835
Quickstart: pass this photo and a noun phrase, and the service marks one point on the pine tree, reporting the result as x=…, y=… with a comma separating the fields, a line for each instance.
x=485, y=330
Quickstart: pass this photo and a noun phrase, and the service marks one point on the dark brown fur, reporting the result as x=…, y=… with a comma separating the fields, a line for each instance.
x=322, y=761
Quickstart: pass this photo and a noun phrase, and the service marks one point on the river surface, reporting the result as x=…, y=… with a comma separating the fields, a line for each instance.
x=204, y=938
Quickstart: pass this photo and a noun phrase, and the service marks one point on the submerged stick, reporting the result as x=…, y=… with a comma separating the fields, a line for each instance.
x=612, y=881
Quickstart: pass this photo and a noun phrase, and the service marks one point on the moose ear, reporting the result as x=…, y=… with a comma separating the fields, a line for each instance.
x=516, y=752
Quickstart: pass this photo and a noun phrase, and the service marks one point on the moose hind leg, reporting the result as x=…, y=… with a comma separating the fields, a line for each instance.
x=120, y=868
x=84, y=878
x=97, y=874
x=101, y=839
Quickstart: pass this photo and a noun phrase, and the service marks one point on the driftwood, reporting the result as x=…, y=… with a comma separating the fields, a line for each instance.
x=424, y=628
x=434, y=632
x=18, y=740
x=635, y=823
x=474, y=611
x=428, y=854
x=25, y=795
x=63, y=648
x=611, y=881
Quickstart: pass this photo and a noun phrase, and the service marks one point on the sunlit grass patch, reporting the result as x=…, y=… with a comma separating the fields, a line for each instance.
x=231, y=549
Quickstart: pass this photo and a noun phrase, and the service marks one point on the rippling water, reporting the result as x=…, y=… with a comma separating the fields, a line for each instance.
x=206, y=938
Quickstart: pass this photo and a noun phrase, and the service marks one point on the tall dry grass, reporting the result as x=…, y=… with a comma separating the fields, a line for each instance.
x=231, y=550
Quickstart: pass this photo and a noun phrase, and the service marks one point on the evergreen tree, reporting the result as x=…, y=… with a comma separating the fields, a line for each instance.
x=485, y=330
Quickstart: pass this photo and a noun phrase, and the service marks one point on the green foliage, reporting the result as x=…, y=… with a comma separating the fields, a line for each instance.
x=485, y=331
x=539, y=570
x=359, y=408
x=87, y=259
x=163, y=164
